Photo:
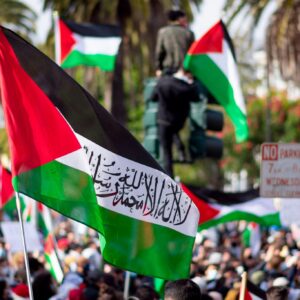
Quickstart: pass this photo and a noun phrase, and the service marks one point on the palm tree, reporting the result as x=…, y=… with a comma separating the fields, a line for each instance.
x=17, y=16
x=283, y=32
x=139, y=21
x=20, y=18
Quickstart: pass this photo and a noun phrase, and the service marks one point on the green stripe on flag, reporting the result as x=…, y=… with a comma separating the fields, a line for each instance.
x=266, y=220
x=76, y=58
x=64, y=189
x=159, y=286
x=54, y=267
x=204, y=68
x=42, y=225
x=131, y=242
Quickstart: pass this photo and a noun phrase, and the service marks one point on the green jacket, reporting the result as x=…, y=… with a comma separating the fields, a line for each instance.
x=173, y=42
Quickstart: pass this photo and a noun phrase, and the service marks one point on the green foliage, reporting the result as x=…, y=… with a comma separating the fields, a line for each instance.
x=135, y=122
x=282, y=36
x=285, y=125
x=17, y=16
x=204, y=172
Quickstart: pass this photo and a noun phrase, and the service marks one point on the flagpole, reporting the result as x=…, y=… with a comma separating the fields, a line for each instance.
x=24, y=247
x=243, y=286
x=56, y=37
x=126, y=285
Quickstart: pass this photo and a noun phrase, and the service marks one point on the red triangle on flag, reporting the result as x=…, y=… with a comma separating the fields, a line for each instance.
x=207, y=212
x=47, y=136
x=247, y=295
x=49, y=244
x=67, y=40
x=211, y=41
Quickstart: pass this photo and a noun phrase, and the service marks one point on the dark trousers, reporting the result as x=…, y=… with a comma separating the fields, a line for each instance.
x=167, y=135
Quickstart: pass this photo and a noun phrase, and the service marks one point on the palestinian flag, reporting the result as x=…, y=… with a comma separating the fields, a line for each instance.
x=70, y=154
x=44, y=221
x=88, y=44
x=252, y=292
x=52, y=259
x=251, y=238
x=44, y=224
x=216, y=207
x=28, y=209
x=211, y=59
x=40, y=216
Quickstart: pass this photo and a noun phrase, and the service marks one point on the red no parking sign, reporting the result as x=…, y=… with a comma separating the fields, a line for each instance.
x=280, y=170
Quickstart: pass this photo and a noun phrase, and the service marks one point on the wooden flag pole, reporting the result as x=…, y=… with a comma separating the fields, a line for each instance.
x=24, y=247
x=243, y=286
x=126, y=285
x=57, y=49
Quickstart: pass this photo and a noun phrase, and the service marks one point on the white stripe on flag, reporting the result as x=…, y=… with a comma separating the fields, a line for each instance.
x=128, y=188
x=253, y=297
x=76, y=160
x=228, y=66
x=96, y=45
x=257, y=206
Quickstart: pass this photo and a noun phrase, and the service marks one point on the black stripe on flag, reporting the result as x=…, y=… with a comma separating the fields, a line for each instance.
x=222, y=198
x=228, y=39
x=253, y=289
x=85, y=115
x=94, y=30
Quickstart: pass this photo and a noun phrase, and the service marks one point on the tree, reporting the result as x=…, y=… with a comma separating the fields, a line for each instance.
x=285, y=125
x=17, y=16
x=283, y=33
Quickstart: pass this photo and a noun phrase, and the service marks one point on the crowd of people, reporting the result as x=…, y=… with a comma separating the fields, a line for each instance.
x=221, y=255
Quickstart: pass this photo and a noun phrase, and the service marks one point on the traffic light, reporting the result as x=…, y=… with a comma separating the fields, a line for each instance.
x=202, y=119
x=151, y=141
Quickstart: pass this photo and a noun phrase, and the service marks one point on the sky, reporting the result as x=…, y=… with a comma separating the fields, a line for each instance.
x=209, y=13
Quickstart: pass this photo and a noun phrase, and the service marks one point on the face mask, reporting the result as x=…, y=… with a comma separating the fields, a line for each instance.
x=2, y=252
x=73, y=267
x=240, y=270
x=212, y=274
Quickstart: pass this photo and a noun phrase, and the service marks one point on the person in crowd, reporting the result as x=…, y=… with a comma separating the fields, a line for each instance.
x=174, y=94
x=145, y=292
x=277, y=293
x=173, y=42
x=92, y=253
x=4, y=290
x=20, y=292
x=182, y=289
x=43, y=285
